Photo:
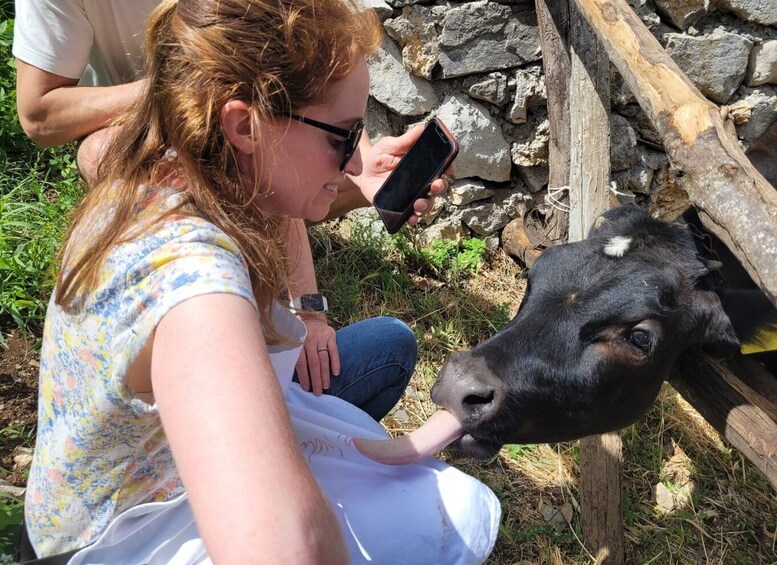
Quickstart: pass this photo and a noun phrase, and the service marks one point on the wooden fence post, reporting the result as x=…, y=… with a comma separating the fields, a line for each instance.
x=601, y=457
x=553, y=23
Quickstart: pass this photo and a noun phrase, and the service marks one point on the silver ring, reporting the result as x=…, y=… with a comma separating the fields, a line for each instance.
x=324, y=349
x=446, y=178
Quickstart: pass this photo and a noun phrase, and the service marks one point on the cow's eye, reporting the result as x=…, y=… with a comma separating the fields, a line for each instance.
x=641, y=340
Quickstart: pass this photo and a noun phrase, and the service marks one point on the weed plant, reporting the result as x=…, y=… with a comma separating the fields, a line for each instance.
x=38, y=190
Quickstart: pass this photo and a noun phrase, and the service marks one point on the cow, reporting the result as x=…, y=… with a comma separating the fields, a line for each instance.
x=600, y=326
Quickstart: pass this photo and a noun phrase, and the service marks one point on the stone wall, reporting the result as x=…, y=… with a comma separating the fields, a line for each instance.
x=477, y=66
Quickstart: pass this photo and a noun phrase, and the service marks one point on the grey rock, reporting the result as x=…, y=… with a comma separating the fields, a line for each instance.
x=649, y=17
x=758, y=11
x=492, y=243
x=762, y=101
x=536, y=178
x=393, y=87
x=664, y=498
x=483, y=36
x=763, y=64
x=483, y=153
x=400, y=416
x=466, y=191
x=485, y=219
x=716, y=63
x=682, y=13
x=12, y=490
x=492, y=89
x=403, y=3
x=534, y=151
x=376, y=121
x=449, y=229
x=383, y=9
x=623, y=147
x=22, y=457
x=530, y=92
x=639, y=177
x=368, y=218
x=416, y=30
x=513, y=201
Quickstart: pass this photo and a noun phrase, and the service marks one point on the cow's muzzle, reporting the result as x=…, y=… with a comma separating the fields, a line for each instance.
x=468, y=389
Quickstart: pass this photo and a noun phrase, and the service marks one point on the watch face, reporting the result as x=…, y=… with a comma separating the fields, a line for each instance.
x=315, y=302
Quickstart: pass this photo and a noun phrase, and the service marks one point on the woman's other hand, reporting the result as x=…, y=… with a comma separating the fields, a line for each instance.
x=320, y=359
x=380, y=159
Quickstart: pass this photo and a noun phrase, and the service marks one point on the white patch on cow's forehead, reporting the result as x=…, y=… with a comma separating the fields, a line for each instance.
x=617, y=246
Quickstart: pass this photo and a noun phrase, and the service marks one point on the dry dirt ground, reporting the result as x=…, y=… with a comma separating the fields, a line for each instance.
x=18, y=403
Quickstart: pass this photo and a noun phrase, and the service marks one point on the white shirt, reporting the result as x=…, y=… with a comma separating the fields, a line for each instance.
x=99, y=42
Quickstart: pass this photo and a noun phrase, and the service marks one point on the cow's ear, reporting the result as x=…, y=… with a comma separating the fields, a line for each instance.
x=709, y=265
x=711, y=323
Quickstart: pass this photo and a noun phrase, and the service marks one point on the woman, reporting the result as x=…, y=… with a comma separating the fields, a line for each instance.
x=169, y=428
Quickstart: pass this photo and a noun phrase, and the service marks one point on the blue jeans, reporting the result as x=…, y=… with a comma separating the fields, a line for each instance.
x=377, y=358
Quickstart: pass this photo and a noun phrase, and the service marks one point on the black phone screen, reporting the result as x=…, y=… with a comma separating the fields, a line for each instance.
x=423, y=163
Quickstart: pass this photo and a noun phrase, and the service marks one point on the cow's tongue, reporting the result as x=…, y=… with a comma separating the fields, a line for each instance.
x=439, y=430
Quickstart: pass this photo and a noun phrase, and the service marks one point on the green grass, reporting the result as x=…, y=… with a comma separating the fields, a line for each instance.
x=366, y=272
x=11, y=516
x=38, y=190
x=33, y=216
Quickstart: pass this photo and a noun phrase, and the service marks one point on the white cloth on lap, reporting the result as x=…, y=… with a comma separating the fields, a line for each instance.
x=421, y=513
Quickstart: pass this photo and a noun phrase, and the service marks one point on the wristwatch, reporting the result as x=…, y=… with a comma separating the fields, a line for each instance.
x=310, y=303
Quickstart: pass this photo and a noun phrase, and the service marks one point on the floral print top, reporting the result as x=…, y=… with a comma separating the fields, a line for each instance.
x=100, y=449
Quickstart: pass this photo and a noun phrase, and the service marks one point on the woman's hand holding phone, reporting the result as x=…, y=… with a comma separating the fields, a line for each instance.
x=427, y=159
x=381, y=159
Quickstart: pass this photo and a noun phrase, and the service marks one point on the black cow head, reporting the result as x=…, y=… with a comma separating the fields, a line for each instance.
x=597, y=332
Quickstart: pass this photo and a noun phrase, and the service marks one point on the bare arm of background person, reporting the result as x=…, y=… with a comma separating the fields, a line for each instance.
x=53, y=110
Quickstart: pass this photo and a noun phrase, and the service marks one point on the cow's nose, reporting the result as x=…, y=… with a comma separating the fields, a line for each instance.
x=469, y=389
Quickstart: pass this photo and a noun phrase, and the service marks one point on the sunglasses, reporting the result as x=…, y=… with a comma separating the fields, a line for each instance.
x=351, y=136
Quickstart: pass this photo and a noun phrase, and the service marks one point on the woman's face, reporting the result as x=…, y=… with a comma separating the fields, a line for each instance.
x=300, y=162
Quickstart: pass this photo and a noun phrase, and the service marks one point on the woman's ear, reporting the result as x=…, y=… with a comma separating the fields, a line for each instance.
x=235, y=119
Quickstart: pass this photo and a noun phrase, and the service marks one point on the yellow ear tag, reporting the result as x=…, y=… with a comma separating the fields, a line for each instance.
x=764, y=340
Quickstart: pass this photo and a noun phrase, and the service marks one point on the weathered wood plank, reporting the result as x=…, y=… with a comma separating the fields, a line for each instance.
x=601, y=492
x=589, y=183
x=553, y=24
x=752, y=380
x=589, y=116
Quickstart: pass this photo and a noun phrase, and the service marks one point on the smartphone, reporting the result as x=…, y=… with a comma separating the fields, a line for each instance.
x=426, y=160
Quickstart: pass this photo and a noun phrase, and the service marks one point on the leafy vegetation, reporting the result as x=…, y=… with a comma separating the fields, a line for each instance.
x=38, y=190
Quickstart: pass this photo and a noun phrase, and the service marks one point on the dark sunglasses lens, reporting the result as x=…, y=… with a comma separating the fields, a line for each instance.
x=351, y=145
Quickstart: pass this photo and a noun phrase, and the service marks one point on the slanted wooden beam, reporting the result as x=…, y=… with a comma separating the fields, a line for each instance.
x=722, y=392
x=735, y=202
